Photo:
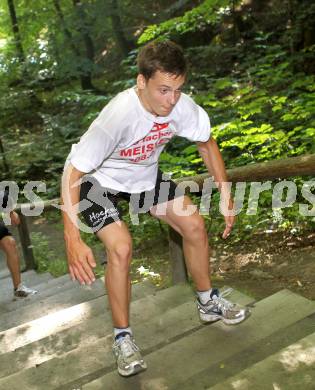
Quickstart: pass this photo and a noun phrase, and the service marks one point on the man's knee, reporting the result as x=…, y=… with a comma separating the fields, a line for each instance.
x=120, y=254
x=194, y=228
x=8, y=244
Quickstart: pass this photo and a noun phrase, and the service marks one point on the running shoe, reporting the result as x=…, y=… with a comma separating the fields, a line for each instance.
x=128, y=356
x=219, y=308
x=22, y=291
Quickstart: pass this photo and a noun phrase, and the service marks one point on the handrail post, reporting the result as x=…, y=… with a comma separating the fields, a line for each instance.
x=26, y=244
x=179, y=271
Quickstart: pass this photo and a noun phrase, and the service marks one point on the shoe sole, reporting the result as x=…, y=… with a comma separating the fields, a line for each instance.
x=207, y=318
x=136, y=368
x=24, y=296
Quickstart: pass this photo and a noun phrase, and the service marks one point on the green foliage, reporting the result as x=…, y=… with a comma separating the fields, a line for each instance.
x=37, y=142
x=145, y=231
x=263, y=114
x=186, y=163
x=210, y=12
x=45, y=258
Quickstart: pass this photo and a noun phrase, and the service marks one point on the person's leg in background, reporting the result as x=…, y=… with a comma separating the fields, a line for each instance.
x=9, y=247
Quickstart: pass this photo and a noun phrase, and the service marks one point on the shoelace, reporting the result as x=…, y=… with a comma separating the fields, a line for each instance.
x=128, y=347
x=222, y=303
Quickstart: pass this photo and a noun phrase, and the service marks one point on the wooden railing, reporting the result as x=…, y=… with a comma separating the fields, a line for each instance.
x=278, y=169
x=25, y=239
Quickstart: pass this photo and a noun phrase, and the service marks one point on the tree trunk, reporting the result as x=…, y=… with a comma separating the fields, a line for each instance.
x=86, y=75
x=89, y=46
x=4, y=160
x=122, y=42
x=16, y=32
x=66, y=31
x=176, y=253
x=291, y=25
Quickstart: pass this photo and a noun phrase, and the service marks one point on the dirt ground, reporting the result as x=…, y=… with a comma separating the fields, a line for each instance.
x=266, y=263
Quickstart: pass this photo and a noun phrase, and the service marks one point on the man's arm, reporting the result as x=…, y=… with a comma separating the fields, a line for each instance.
x=213, y=160
x=79, y=255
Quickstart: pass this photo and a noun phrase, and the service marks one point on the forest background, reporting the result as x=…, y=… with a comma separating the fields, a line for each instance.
x=252, y=68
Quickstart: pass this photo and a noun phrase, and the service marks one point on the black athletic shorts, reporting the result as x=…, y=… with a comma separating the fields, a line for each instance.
x=4, y=231
x=99, y=205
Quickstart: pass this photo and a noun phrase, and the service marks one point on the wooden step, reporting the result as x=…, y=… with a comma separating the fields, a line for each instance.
x=51, y=325
x=234, y=364
x=29, y=278
x=4, y=272
x=64, y=299
x=292, y=368
x=45, y=289
x=92, y=331
x=93, y=357
x=178, y=361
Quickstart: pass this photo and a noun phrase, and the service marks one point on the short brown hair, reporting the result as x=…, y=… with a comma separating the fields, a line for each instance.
x=165, y=56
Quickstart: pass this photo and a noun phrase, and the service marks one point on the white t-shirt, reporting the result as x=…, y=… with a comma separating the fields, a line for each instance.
x=122, y=146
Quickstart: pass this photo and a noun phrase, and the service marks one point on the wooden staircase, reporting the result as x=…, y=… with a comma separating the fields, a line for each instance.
x=61, y=338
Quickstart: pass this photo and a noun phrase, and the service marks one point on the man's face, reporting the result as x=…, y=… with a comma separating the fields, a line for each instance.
x=160, y=93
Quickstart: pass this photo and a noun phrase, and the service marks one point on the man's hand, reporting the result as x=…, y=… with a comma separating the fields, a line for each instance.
x=213, y=160
x=229, y=220
x=80, y=256
x=15, y=219
x=81, y=262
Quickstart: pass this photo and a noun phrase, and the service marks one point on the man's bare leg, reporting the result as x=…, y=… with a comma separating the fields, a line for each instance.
x=117, y=241
x=8, y=245
x=195, y=239
x=211, y=304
